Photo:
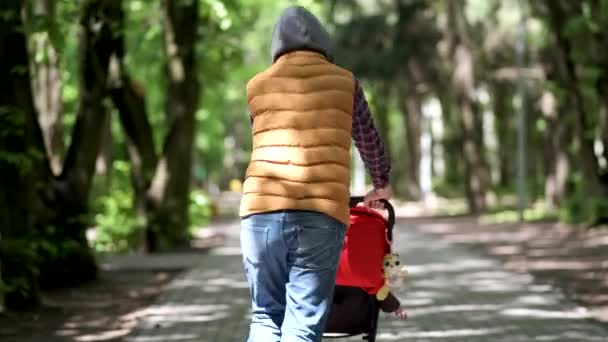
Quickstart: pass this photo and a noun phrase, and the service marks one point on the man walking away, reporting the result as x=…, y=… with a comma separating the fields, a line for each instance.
x=295, y=208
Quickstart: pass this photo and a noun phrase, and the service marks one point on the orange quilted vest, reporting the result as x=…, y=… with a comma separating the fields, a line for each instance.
x=302, y=120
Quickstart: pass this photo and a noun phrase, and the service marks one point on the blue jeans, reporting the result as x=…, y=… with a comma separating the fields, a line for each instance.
x=290, y=260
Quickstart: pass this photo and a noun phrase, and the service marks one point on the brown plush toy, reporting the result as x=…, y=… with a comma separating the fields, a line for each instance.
x=394, y=274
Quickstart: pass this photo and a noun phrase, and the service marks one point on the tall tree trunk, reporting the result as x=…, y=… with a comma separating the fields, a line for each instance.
x=47, y=80
x=169, y=192
x=35, y=203
x=129, y=98
x=464, y=82
x=69, y=200
x=380, y=112
x=555, y=156
x=411, y=108
x=103, y=163
x=452, y=139
x=503, y=112
x=162, y=184
x=476, y=172
x=589, y=163
x=604, y=136
x=602, y=90
x=19, y=148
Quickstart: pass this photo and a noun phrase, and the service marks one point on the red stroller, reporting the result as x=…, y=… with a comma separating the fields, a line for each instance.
x=355, y=309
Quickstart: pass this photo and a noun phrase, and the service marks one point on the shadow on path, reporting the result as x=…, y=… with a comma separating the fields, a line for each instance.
x=453, y=294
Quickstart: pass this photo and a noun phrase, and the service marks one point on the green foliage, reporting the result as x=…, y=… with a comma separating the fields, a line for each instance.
x=580, y=206
x=199, y=209
x=45, y=256
x=448, y=187
x=12, y=135
x=117, y=227
x=116, y=224
x=19, y=263
x=534, y=214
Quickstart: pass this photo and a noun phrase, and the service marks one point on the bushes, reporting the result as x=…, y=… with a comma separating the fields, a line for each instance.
x=199, y=209
x=580, y=207
x=116, y=225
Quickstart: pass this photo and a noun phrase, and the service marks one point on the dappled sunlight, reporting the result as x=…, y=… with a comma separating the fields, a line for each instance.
x=443, y=334
x=457, y=266
x=454, y=294
x=183, y=283
x=451, y=294
x=505, y=250
x=172, y=310
x=535, y=300
x=547, y=265
x=230, y=251
x=164, y=338
x=577, y=313
x=416, y=302
x=461, y=308
x=554, y=253
x=103, y=336
x=228, y=283
x=168, y=320
x=213, y=298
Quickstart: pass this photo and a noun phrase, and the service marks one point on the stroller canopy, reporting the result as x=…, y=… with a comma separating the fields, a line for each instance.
x=365, y=245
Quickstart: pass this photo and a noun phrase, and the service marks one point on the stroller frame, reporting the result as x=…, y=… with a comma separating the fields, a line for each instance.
x=345, y=293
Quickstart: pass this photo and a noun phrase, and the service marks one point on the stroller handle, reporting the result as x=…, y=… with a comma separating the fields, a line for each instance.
x=354, y=200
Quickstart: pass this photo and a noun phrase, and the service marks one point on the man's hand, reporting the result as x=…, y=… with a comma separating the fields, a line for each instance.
x=372, y=199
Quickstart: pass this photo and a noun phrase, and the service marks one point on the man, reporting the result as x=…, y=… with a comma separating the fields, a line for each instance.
x=295, y=206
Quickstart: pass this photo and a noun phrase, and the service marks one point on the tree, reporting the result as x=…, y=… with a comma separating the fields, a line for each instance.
x=46, y=77
x=464, y=83
x=44, y=215
x=170, y=187
x=21, y=146
x=162, y=183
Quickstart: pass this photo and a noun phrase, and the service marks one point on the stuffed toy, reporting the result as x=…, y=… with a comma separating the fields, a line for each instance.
x=394, y=274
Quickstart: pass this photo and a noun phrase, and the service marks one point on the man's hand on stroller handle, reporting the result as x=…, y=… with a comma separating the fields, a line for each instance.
x=373, y=198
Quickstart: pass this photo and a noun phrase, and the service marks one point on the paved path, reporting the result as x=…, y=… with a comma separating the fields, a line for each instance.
x=453, y=294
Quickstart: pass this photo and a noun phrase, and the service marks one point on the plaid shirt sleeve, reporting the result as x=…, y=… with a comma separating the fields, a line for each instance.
x=368, y=142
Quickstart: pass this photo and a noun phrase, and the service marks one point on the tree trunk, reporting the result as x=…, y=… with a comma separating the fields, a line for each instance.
x=162, y=184
x=464, y=83
x=69, y=200
x=452, y=139
x=36, y=205
x=503, y=112
x=555, y=156
x=411, y=108
x=20, y=149
x=535, y=151
x=476, y=172
x=604, y=137
x=588, y=161
x=47, y=81
x=103, y=163
x=168, y=195
x=602, y=90
x=381, y=113
x=128, y=97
